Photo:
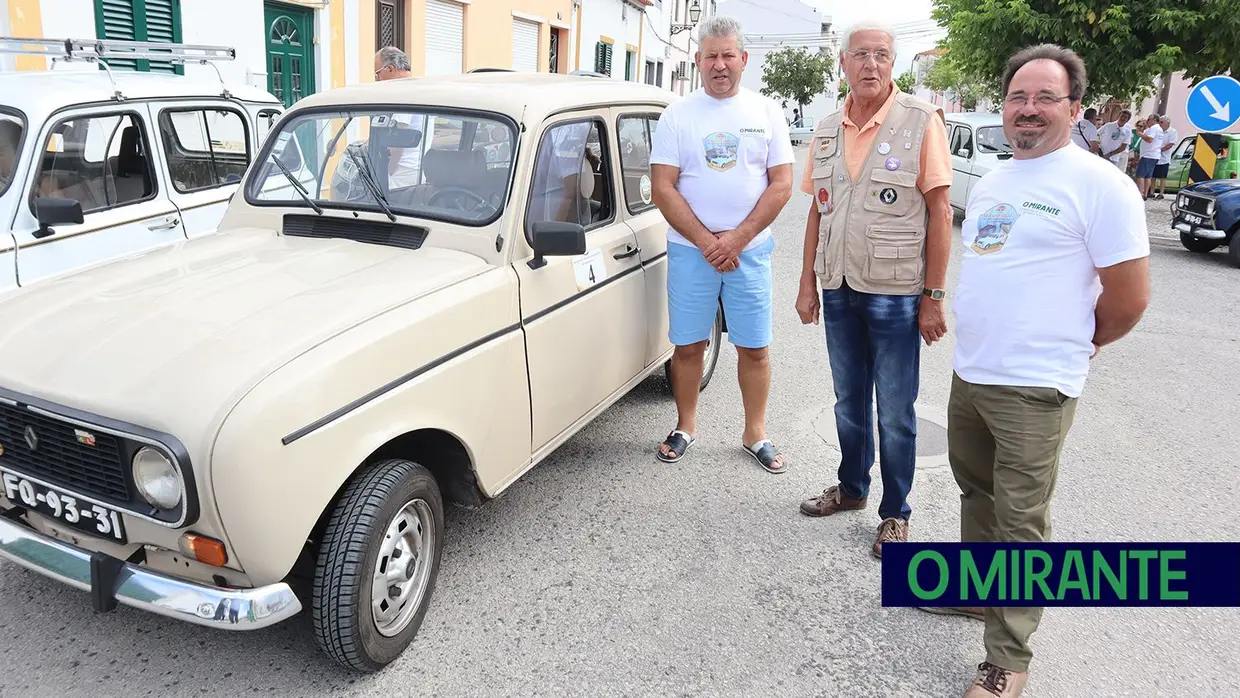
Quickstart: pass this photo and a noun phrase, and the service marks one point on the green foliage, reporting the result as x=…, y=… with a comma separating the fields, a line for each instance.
x=906, y=82
x=1126, y=44
x=796, y=74
x=843, y=92
x=946, y=75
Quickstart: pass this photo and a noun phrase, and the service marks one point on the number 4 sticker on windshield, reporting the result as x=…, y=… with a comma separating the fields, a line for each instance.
x=589, y=269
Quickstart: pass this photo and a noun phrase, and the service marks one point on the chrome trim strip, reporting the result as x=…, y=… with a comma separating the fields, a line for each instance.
x=149, y=590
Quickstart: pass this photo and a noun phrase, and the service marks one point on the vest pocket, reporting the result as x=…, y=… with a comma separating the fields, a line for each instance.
x=892, y=193
x=894, y=254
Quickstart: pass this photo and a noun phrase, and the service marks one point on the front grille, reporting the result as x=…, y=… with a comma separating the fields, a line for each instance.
x=374, y=232
x=59, y=458
x=1196, y=204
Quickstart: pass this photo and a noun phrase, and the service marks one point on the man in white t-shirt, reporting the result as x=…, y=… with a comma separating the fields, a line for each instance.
x=1115, y=138
x=1084, y=133
x=1055, y=266
x=721, y=167
x=405, y=166
x=1150, y=150
x=1170, y=138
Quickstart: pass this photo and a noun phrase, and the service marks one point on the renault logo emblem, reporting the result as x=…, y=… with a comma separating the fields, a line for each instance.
x=32, y=439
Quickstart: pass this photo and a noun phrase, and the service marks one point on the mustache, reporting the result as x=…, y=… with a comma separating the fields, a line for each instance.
x=1030, y=121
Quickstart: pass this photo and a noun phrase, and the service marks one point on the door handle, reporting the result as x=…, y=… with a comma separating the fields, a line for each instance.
x=630, y=250
x=167, y=224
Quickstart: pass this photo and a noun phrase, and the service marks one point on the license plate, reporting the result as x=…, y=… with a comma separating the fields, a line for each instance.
x=82, y=516
x=1195, y=220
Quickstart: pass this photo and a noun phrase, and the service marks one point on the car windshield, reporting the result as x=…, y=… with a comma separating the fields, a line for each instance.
x=991, y=139
x=10, y=139
x=449, y=166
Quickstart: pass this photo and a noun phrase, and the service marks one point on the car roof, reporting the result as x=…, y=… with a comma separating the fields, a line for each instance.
x=522, y=96
x=42, y=92
x=973, y=118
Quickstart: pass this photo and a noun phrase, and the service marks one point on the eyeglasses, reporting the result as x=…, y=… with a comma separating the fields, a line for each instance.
x=1042, y=100
x=863, y=55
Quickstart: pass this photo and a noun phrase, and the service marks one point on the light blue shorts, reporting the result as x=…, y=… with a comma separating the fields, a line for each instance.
x=694, y=288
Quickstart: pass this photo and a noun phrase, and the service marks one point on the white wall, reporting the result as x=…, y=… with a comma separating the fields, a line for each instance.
x=69, y=19
x=236, y=23
x=615, y=19
x=6, y=61
x=780, y=17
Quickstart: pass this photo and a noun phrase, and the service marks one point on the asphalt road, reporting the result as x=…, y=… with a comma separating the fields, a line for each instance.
x=606, y=573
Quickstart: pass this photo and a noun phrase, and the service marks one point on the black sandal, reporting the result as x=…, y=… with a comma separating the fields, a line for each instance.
x=765, y=453
x=678, y=442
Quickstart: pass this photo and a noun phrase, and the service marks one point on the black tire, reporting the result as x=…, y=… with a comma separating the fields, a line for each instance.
x=1233, y=250
x=711, y=359
x=344, y=626
x=1193, y=244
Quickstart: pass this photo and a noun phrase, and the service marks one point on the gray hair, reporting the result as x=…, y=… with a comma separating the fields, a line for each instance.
x=390, y=55
x=720, y=27
x=867, y=25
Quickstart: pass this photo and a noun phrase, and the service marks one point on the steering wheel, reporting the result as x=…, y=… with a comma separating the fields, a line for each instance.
x=481, y=202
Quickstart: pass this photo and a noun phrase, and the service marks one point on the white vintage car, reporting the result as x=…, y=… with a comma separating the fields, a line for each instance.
x=97, y=165
x=977, y=144
x=296, y=396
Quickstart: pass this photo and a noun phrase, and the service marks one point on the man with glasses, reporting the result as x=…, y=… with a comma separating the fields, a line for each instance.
x=877, y=240
x=1055, y=266
x=405, y=165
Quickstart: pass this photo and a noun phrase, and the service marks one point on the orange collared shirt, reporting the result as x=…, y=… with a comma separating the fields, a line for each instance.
x=936, y=161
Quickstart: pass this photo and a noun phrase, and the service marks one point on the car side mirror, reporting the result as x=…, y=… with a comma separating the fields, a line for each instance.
x=56, y=211
x=964, y=153
x=557, y=239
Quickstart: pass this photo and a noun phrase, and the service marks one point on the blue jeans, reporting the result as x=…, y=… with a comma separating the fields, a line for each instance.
x=874, y=346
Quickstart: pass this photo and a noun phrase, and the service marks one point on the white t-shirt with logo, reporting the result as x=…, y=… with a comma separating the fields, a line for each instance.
x=1034, y=234
x=1169, y=136
x=1084, y=133
x=1150, y=150
x=723, y=148
x=1112, y=136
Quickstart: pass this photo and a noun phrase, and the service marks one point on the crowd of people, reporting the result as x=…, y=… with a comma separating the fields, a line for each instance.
x=1142, y=150
x=1054, y=269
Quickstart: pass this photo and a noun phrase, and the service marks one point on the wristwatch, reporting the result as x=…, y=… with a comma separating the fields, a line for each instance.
x=937, y=294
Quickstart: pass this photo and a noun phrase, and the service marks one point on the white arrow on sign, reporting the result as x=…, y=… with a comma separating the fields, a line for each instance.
x=1221, y=111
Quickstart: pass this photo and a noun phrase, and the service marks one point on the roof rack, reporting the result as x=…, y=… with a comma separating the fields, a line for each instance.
x=96, y=50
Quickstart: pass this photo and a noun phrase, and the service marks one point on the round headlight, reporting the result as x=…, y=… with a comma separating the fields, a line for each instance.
x=158, y=482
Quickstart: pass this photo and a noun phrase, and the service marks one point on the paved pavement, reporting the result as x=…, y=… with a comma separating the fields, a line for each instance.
x=606, y=573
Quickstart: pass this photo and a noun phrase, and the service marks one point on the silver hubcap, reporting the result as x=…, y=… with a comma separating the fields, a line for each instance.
x=403, y=569
x=712, y=349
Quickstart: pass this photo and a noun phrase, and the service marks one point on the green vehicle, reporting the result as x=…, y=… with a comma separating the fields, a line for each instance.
x=1227, y=166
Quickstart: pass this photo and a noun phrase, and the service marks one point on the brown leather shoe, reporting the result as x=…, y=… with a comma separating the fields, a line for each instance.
x=974, y=612
x=996, y=682
x=890, y=531
x=831, y=501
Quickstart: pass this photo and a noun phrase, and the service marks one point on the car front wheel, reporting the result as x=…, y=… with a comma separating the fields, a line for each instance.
x=377, y=565
x=1193, y=244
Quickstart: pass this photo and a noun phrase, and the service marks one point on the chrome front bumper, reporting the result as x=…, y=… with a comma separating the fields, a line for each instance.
x=111, y=581
x=1205, y=233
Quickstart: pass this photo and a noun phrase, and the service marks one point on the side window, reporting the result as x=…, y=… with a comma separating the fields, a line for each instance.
x=636, y=137
x=1185, y=149
x=266, y=121
x=206, y=148
x=572, y=177
x=102, y=161
x=962, y=138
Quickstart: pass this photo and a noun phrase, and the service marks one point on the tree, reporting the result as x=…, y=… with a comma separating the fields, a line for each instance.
x=796, y=74
x=843, y=91
x=1126, y=44
x=947, y=76
x=907, y=81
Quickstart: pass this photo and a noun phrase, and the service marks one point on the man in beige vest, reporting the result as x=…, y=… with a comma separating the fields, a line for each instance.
x=877, y=242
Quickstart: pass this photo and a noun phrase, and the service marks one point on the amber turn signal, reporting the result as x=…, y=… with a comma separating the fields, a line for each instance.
x=208, y=551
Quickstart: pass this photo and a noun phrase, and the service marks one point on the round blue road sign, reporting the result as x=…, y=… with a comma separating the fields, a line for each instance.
x=1214, y=104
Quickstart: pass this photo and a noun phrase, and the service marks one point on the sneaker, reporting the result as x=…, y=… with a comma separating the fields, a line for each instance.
x=996, y=682
x=890, y=531
x=831, y=501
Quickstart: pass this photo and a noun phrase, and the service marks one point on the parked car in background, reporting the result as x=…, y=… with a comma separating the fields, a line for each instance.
x=1227, y=166
x=297, y=396
x=977, y=145
x=97, y=165
x=1207, y=216
x=801, y=130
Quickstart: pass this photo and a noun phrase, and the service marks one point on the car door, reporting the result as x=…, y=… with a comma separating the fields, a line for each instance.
x=960, y=144
x=8, y=263
x=1181, y=160
x=635, y=127
x=206, y=146
x=101, y=157
x=585, y=315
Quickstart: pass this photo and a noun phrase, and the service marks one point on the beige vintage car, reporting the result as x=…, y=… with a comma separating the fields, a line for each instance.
x=422, y=289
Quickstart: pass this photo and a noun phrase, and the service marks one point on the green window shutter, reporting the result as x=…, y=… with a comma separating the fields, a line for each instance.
x=140, y=20
x=602, y=58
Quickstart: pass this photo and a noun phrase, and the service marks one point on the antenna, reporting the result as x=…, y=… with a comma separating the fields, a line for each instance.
x=96, y=50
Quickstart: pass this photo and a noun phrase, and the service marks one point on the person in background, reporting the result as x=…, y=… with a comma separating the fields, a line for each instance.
x=880, y=162
x=1115, y=138
x=1085, y=133
x=721, y=167
x=1055, y=267
x=1150, y=150
x=1134, y=150
x=405, y=165
x=1171, y=138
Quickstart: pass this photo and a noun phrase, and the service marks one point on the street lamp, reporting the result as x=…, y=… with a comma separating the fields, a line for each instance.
x=695, y=13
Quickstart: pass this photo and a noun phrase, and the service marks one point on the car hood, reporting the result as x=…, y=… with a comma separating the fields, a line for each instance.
x=170, y=339
x=1214, y=187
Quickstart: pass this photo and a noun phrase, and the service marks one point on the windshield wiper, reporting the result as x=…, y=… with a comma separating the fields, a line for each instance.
x=371, y=184
x=301, y=191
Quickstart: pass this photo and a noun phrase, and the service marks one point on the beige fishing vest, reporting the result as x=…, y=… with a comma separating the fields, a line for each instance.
x=873, y=230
